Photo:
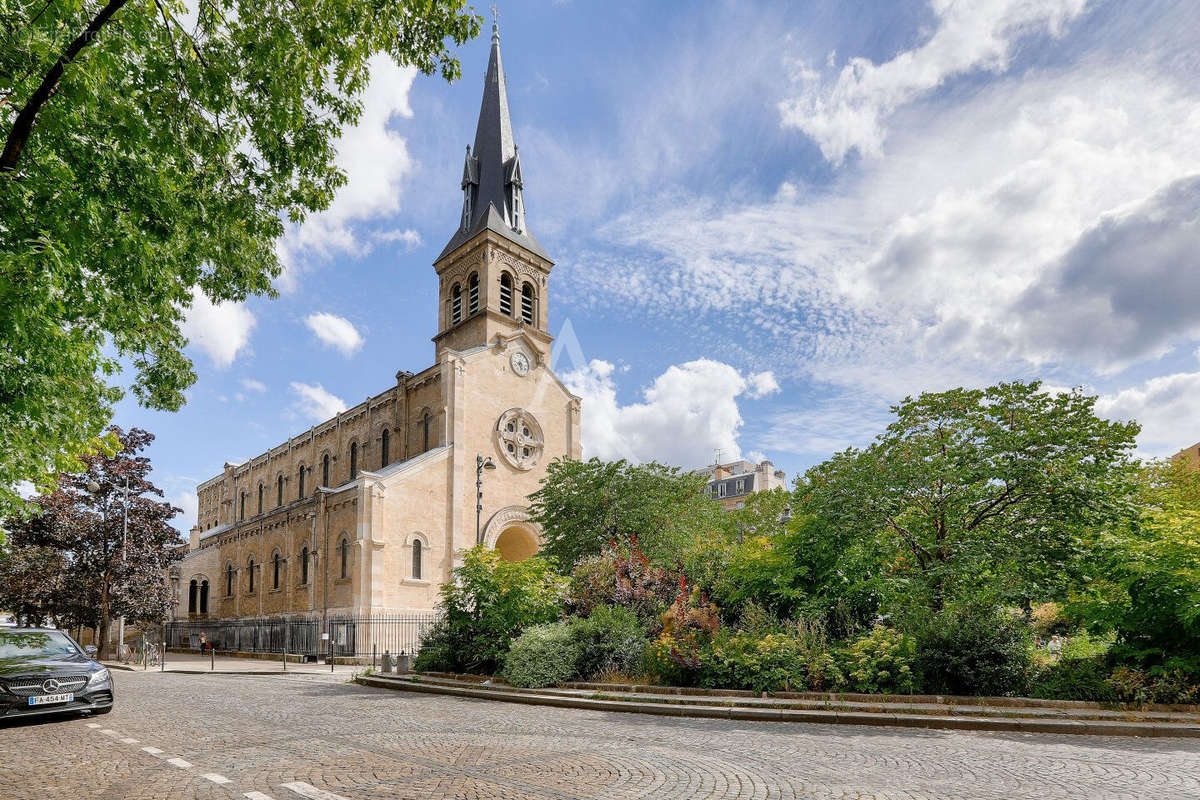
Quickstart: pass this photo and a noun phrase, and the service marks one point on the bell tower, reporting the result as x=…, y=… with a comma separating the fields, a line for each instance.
x=492, y=275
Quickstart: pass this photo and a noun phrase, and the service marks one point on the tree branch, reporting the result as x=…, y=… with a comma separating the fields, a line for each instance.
x=23, y=125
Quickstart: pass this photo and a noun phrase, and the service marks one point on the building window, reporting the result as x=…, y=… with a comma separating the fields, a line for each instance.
x=276, y=562
x=229, y=580
x=721, y=489
x=325, y=470
x=203, y=597
x=741, y=486
x=304, y=567
x=353, y=460
x=250, y=569
x=456, y=304
x=527, y=303
x=192, y=596
x=473, y=293
x=416, y=560
x=279, y=491
x=300, y=482
x=344, y=549
x=385, y=442
x=506, y=294
x=425, y=420
x=242, y=510
x=260, y=496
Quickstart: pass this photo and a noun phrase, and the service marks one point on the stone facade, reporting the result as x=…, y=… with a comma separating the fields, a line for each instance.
x=368, y=512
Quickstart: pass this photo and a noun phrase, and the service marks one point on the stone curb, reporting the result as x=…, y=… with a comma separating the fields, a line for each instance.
x=994, y=724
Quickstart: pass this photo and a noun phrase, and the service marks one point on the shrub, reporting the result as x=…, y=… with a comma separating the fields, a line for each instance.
x=1075, y=679
x=768, y=663
x=487, y=603
x=1048, y=619
x=881, y=661
x=609, y=641
x=974, y=649
x=1172, y=687
x=543, y=655
x=622, y=576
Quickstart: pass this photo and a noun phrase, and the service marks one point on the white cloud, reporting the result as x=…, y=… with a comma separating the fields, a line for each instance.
x=221, y=330
x=335, y=331
x=971, y=35
x=688, y=413
x=315, y=403
x=250, y=384
x=190, y=503
x=407, y=237
x=1167, y=407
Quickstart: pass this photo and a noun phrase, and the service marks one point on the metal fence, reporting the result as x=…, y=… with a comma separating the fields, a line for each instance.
x=349, y=636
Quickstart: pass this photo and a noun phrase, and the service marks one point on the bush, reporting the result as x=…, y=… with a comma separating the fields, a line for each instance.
x=1048, y=619
x=544, y=655
x=622, y=576
x=772, y=662
x=611, y=640
x=488, y=602
x=881, y=661
x=1076, y=679
x=975, y=649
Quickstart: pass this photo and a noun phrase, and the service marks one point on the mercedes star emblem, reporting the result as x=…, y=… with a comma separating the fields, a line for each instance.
x=50, y=686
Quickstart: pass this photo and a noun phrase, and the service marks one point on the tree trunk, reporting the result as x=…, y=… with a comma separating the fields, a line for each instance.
x=105, y=623
x=23, y=124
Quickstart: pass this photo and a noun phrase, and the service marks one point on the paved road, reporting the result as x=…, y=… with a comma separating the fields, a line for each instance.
x=286, y=738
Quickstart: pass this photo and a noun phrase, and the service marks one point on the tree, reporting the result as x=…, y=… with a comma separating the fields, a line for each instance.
x=990, y=488
x=150, y=159
x=584, y=505
x=112, y=563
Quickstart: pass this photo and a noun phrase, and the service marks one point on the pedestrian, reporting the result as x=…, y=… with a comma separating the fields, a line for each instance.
x=1055, y=645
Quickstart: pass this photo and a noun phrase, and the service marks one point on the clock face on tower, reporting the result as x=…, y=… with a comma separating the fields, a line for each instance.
x=520, y=363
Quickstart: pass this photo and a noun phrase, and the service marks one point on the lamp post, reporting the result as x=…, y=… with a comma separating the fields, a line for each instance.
x=481, y=464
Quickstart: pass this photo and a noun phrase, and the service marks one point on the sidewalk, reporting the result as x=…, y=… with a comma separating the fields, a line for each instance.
x=196, y=663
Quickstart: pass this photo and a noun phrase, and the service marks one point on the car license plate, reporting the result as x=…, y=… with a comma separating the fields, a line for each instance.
x=50, y=699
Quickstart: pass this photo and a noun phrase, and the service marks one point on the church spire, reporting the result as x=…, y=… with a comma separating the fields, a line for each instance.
x=492, y=184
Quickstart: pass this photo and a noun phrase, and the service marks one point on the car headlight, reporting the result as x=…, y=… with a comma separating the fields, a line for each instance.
x=98, y=677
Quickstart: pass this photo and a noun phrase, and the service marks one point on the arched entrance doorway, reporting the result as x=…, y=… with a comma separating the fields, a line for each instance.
x=516, y=544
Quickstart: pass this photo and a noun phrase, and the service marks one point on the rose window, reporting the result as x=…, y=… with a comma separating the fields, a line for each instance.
x=519, y=438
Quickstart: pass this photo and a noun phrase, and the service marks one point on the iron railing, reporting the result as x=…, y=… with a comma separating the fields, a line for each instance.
x=349, y=636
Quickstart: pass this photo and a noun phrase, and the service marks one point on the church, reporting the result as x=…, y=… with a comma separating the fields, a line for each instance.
x=367, y=512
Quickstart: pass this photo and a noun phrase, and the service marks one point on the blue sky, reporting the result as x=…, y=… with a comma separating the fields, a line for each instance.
x=770, y=222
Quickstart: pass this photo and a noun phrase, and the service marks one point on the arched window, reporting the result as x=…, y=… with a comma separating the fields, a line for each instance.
x=527, y=303
x=203, y=597
x=425, y=423
x=473, y=293
x=506, y=307
x=300, y=482
x=229, y=580
x=416, y=559
x=242, y=509
x=353, y=460
x=279, y=491
x=250, y=569
x=385, y=442
x=192, y=596
x=344, y=552
x=325, y=470
x=304, y=567
x=260, y=497
x=276, y=563
x=456, y=304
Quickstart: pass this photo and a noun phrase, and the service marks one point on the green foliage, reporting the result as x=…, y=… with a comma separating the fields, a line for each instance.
x=987, y=488
x=543, y=655
x=623, y=576
x=486, y=605
x=882, y=660
x=158, y=168
x=775, y=661
x=582, y=506
x=974, y=649
x=1076, y=679
x=610, y=640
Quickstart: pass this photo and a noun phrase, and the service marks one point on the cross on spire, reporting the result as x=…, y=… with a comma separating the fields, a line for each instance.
x=495, y=22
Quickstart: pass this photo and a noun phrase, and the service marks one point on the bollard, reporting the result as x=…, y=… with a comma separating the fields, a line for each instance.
x=212, y=657
x=403, y=662
x=387, y=662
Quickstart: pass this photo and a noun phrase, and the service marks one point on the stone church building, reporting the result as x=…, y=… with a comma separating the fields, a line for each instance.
x=366, y=512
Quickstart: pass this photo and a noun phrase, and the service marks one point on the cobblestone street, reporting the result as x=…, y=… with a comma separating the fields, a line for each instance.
x=288, y=737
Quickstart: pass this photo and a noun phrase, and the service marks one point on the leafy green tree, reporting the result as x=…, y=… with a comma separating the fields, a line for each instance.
x=487, y=604
x=149, y=154
x=113, y=536
x=584, y=505
x=981, y=490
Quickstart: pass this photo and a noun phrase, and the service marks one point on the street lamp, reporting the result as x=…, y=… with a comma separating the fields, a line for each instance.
x=481, y=464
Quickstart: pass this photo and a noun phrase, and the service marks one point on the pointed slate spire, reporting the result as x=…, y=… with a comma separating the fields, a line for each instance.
x=492, y=183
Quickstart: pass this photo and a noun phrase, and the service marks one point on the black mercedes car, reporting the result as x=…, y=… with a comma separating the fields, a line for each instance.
x=43, y=671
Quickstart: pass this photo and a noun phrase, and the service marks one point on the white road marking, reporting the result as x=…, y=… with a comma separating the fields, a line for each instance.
x=154, y=751
x=129, y=741
x=313, y=793
x=95, y=725
x=257, y=796
x=179, y=762
x=215, y=778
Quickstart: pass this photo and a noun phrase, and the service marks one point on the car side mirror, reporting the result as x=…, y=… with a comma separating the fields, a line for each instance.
x=90, y=650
